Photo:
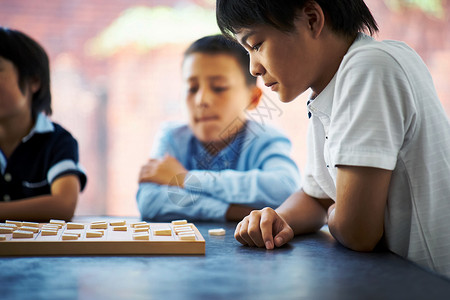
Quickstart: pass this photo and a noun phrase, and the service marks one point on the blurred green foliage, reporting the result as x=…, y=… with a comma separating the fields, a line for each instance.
x=434, y=8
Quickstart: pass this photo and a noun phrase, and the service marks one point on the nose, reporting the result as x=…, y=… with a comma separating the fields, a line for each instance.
x=256, y=68
x=202, y=98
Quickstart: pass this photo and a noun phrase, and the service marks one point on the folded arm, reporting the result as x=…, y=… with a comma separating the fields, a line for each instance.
x=60, y=204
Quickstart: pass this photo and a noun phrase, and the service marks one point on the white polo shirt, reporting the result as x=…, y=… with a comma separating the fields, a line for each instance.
x=381, y=110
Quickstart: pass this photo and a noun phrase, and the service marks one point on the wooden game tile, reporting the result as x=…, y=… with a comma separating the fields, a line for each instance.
x=18, y=234
x=118, y=223
x=14, y=226
x=120, y=228
x=99, y=225
x=179, y=222
x=69, y=236
x=182, y=228
x=218, y=231
x=140, y=230
x=2, y=237
x=138, y=223
x=58, y=222
x=71, y=225
x=189, y=225
x=46, y=232
x=184, y=231
x=17, y=223
x=187, y=237
x=93, y=234
x=51, y=227
x=28, y=228
x=142, y=226
x=141, y=236
x=30, y=224
x=163, y=231
x=6, y=230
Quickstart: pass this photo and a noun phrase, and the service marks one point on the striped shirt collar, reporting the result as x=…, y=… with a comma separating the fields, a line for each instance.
x=42, y=125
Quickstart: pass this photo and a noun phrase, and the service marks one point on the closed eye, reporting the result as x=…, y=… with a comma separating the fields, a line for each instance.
x=219, y=89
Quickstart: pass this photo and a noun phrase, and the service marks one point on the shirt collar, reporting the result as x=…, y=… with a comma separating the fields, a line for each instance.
x=323, y=103
x=42, y=125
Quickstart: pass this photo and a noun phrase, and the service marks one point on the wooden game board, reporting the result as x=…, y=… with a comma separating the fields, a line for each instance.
x=112, y=242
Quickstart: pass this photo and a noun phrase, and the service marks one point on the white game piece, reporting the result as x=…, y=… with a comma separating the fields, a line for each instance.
x=179, y=222
x=218, y=231
x=17, y=223
x=6, y=230
x=163, y=231
x=18, y=234
x=141, y=236
x=118, y=223
x=30, y=224
x=92, y=234
x=45, y=232
x=58, y=222
x=99, y=225
x=32, y=229
x=71, y=225
x=120, y=228
x=140, y=230
x=2, y=237
x=187, y=237
x=69, y=236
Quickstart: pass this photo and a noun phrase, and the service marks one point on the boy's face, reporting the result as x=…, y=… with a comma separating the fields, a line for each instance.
x=216, y=95
x=12, y=101
x=287, y=62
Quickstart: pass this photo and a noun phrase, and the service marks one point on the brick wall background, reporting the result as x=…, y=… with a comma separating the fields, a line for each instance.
x=113, y=103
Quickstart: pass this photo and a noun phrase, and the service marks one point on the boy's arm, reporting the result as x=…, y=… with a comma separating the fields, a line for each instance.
x=165, y=203
x=271, y=178
x=357, y=218
x=299, y=214
x=60, y=204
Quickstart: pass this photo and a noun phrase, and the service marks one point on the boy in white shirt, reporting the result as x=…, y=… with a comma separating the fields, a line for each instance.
x=379, y=140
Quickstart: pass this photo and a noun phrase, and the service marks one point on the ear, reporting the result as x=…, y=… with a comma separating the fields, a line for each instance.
x=35, y=85
x=315, y=18
x=255, y=97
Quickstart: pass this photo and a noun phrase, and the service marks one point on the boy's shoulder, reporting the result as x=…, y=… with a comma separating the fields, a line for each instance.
x=365, y=46
x=45, y=127
x=175, y=129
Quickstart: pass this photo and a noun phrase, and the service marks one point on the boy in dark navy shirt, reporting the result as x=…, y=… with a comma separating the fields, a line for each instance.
x=40, y=177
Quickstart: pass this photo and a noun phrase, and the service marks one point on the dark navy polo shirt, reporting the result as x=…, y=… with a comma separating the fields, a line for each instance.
x=45, y=154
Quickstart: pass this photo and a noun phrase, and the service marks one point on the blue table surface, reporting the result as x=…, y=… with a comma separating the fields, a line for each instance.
x=313, y=266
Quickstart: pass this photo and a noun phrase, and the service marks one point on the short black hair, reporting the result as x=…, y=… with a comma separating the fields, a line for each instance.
x=219, y=44
x=32, y=63
x=345, y=17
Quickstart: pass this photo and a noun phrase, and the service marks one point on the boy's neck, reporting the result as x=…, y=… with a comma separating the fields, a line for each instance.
x=336, y=47
x=12, y=131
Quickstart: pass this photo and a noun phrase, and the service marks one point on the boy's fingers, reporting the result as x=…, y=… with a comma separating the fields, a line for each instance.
x=243, y=233
x=284, y=236
x=254, y=230
x=266, y=225
x=237, y=235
